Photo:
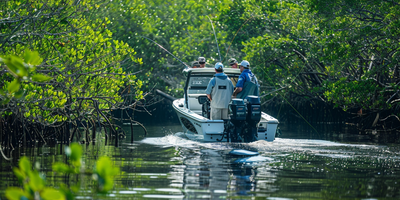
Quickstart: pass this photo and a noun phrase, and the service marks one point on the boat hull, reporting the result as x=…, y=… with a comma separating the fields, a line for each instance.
x=199, y=128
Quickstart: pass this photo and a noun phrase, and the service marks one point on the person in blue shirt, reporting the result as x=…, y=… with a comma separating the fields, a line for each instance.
x=247, y=83
x=219, y=91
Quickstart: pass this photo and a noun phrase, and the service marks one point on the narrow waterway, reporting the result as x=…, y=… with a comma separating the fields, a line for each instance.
x=166, y=165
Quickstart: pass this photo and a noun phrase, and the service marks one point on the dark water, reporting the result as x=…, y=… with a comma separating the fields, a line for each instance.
x=298, y=165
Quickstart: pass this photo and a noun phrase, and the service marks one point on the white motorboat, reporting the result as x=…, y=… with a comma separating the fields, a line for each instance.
x=247, y=123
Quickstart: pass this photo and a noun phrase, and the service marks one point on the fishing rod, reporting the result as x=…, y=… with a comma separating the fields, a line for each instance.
x=215, y=38
x=187, y=66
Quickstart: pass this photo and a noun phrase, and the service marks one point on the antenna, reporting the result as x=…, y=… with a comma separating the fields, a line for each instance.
x=220, y=59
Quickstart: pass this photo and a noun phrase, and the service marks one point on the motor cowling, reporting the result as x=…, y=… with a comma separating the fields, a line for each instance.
x=253, y=109
x=238, y=110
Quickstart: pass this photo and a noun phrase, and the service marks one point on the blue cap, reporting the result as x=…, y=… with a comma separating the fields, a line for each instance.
x=219, y=65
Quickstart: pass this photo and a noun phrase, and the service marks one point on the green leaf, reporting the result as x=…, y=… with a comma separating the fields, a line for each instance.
x=13, y=69
x=19, y=174
x=68, y=192
x=106, y=171
x=52, y=194
x=76, y=153
x=25, y=165
x=41, y=78
x=36, y=182
x=75, y=188
x=14, y=193
x=16, y=66
x=61, y=167
x=32, y=57
x=14, y=86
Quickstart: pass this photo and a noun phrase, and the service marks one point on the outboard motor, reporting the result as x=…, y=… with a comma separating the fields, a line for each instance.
x=253, y=117
x=244, y=117
x=236, y=125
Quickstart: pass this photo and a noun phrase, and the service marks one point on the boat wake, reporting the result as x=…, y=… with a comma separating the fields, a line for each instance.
x=279, y=147
x=170, y=140
x=179, y=139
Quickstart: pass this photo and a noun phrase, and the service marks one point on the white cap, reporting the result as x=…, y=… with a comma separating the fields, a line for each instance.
x=201, y=59
x=245, y=64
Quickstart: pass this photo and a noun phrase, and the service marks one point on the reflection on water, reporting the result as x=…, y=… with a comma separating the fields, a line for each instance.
x=166, y=165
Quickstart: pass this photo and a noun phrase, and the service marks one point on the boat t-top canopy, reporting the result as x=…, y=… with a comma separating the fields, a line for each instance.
x=210, y=70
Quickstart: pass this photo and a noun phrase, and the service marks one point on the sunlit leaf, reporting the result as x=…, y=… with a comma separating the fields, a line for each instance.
x=36, y=182
x=69, y=193
x=106, y=171
x=19, y=174
x=52, y=194
x=61, y=167
x=31, y=57
x=76, y=153
x=14, y=86
x=25, y=165
x=41, y=78
x=14, y=193
x=16, y=66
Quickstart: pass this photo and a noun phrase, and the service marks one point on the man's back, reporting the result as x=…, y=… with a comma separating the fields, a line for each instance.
x=222, y=92
x=249, y=84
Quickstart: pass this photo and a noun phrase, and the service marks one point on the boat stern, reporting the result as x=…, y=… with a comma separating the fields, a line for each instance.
x=213, y=131
x=267, y=127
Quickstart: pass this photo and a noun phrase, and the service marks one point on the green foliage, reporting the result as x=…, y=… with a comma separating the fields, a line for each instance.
x=352, y=94
x=359, y=44
x=74, y=152
x=105, y=172
x=34, y=184
x=22, y=71
x=302, y=47
x=181, y=27
x=341, y=52
x=80, y=60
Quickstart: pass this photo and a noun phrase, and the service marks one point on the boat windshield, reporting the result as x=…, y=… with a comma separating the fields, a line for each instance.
x=198, y=84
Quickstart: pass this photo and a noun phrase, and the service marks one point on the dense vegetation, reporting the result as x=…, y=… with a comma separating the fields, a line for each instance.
x=339, y=53
x=76, y=53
